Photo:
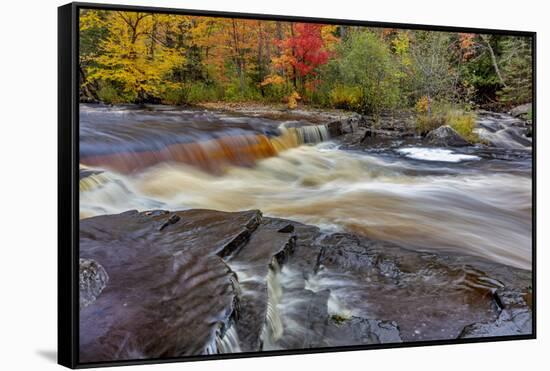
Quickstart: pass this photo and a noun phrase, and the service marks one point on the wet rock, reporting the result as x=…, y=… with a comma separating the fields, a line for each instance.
x=92, y=280
x=361, y=331
x=503, y=131
x=304, y=321
x=347, y=125
x=213, y=282
x=289, y=228
x=521, y=110
x=335, y=128
x=515, y=317
x=379, y=280
x=446, y=136
x=169, y=293
x=172, y=220
x=266, y=250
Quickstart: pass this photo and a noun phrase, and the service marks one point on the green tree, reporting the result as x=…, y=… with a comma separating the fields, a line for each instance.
x=435, y=76
x=366, y=63
x=517, y=72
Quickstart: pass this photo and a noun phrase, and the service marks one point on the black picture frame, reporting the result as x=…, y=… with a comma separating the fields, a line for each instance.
x=68, y=177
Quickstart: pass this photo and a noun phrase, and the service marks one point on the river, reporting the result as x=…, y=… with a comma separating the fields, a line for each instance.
x=467, y=201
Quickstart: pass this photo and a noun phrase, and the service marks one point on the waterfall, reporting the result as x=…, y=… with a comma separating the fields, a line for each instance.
x=224, y=342
x=313, y=134
x=273, y=327
x=214, y=154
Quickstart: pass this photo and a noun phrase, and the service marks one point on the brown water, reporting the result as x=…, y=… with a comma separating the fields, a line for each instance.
x=469, y=205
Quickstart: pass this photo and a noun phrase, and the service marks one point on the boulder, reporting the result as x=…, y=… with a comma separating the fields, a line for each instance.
x=521, y=110
x=446, y=136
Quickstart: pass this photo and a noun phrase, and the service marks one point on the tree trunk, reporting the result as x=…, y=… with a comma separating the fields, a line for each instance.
x=493, y=59
x=294, y=76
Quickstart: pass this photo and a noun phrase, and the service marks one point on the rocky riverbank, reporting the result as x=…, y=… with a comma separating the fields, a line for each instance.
x=164, y=284
x=510, y=130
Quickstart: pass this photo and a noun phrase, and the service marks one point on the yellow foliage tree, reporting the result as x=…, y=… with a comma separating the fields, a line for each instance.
x=135, y=55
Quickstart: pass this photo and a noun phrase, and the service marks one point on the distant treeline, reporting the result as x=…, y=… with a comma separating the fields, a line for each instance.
x=129, y=57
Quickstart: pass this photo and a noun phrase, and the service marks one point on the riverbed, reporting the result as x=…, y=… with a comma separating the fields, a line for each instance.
x=468, y=201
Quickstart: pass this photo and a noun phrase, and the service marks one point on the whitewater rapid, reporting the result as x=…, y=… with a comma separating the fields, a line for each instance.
x=408, y=199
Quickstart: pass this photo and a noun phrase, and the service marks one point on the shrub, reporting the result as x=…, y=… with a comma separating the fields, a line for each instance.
x=275, y=90
x=529, y=116
x=464, y=123
x=292, y=100
x=346, y=97
x=192, y=93
x=177, y=96
x=422, y=105
x=426, y=123
x=109, y=94
x=234, y=92
x=202, y=92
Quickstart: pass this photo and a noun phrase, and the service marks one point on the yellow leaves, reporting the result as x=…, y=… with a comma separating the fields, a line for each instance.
x=141, y=54
x=134, y=55
x=401, y=46
x=328, y=34
x=346, y=97
x=422, y=105
x=273, y=80
x=90, y=19
x=293, y=100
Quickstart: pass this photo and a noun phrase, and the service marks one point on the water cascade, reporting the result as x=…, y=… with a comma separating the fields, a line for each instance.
x=273, y=328
x=212, y=154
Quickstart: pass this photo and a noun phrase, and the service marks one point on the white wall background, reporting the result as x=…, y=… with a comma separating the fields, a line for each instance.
x=28, y=58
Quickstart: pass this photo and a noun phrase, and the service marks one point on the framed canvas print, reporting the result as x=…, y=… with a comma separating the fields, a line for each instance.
x=237, y=185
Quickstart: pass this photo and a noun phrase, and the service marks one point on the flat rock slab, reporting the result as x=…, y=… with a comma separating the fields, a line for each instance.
x=169, y=292
x=430, y=296
x=166, y=284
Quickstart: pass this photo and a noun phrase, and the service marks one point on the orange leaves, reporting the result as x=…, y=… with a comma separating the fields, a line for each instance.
x=467, y=43
x=273, y=80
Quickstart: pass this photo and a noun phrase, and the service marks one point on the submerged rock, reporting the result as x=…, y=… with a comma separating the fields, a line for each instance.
x=203, y=281
x=92, y=280
x=446, y=136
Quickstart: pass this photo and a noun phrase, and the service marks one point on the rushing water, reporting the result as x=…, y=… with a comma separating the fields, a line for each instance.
x=421, y=198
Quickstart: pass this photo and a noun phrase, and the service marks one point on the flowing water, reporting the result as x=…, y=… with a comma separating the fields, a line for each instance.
x=471, y=202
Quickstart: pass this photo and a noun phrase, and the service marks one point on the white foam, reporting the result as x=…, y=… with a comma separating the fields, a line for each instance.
x=435, y=154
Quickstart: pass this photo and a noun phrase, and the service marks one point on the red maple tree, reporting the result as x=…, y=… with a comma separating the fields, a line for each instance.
x=306, y=48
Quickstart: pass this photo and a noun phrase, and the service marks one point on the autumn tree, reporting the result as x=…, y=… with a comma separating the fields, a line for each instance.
x=180, y=59
x=135, y=57
x=304, y=51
